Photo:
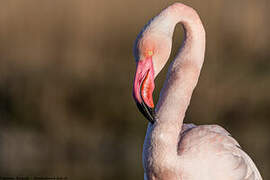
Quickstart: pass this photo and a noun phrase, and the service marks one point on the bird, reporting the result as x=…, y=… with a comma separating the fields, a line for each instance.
x=174, y=150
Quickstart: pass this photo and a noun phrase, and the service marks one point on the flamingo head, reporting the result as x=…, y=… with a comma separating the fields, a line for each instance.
x=151, y=54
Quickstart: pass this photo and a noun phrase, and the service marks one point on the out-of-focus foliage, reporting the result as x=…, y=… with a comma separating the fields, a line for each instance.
x=66, y=72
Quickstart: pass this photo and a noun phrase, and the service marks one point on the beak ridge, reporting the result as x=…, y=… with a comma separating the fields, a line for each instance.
x=143, y=88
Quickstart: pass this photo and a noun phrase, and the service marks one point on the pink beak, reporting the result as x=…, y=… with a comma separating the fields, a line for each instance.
x=143, y=88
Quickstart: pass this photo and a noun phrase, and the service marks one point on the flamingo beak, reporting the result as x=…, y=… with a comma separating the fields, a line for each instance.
x=146, y=111
x=143, y=88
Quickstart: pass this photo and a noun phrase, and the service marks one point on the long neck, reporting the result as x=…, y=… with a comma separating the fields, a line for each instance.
x=163, y=137
x=184, y=71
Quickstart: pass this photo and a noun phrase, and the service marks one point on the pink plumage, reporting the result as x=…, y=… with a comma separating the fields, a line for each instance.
x=173, y=150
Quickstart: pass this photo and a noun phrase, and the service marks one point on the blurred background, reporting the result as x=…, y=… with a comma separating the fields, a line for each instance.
x=66, y=72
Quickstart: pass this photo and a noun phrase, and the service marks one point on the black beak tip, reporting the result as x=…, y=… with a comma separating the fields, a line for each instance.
x=149, y=113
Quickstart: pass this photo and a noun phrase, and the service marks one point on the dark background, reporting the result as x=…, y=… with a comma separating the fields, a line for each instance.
x=66, y=72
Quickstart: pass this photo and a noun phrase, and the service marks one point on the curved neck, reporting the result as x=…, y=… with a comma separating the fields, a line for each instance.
x=184, y=71
x=163, y=136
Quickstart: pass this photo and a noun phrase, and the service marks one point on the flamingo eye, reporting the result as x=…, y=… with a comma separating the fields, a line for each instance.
x=149, y=53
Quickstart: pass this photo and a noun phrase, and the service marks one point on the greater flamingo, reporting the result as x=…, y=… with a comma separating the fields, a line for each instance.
x=174, y=150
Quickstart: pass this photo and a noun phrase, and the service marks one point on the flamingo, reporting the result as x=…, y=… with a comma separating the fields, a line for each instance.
x=172, y=149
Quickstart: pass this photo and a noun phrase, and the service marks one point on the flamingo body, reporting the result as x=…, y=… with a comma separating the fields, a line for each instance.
x=173, y=150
